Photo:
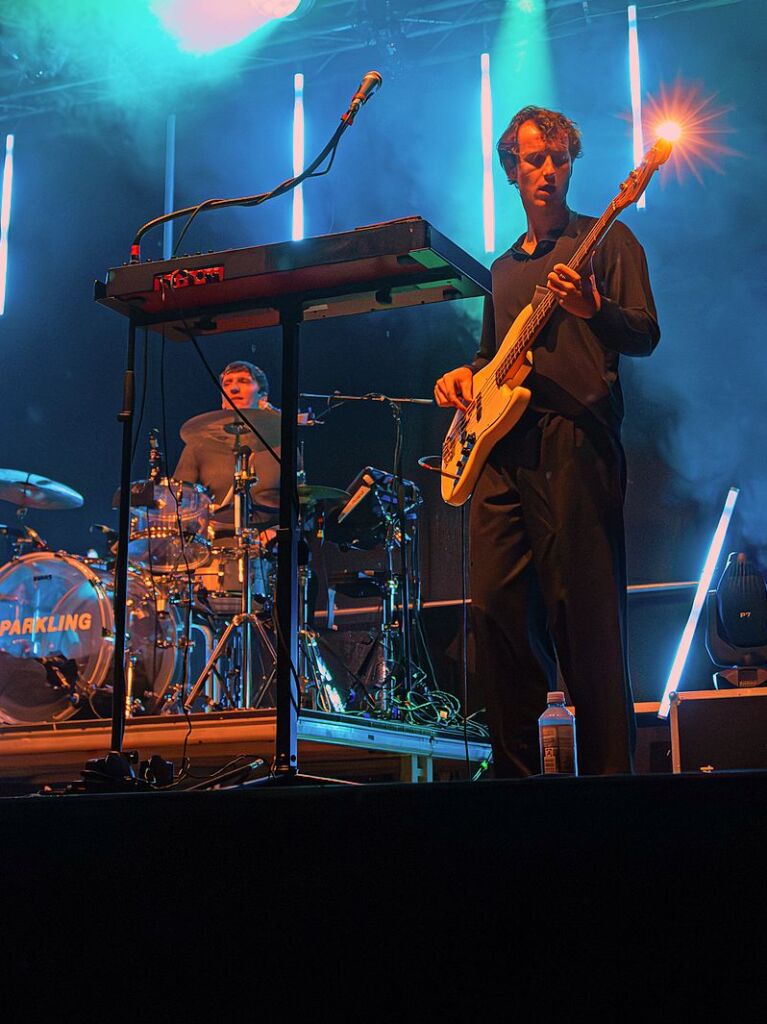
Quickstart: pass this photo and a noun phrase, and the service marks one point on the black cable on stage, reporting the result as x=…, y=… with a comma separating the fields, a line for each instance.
x=256, y=200
x=136, y=440
x=286, y=651
x=229, y=774
x=426, y=463
x=145, y=359
x=465, y=642
x=187, y=624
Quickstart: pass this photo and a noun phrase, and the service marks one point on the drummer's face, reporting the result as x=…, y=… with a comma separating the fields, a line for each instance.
x=241, y=389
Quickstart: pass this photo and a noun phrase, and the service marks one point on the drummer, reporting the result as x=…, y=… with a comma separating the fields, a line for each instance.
x=211, y=464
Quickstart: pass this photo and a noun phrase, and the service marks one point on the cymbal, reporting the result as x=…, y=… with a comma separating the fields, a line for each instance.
x=310, y=494
x=34, y=491
x=220, y=427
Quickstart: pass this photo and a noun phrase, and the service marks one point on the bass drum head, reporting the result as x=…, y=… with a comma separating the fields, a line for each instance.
x=51, y=604
x=58, y=605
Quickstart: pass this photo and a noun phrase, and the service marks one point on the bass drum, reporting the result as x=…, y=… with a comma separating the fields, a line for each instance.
x=55, y=604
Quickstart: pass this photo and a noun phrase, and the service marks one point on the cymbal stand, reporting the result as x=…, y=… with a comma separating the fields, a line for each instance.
x=242, y=482
x=246, y=621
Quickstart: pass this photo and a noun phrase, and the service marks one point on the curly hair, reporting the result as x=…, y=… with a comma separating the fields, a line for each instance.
x=253, y=371
x=553, y=126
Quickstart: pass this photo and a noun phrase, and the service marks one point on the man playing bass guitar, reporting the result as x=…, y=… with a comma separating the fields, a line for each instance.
x=548, y=567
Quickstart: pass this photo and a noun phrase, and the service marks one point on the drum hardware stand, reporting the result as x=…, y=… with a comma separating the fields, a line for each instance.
x=379, y=680
x=238, y=622
x=242, y=483
x=392, y=631
x=163, y=701
x=246, y=621
x=317, y=690
x=316, y=678
x=22, y=535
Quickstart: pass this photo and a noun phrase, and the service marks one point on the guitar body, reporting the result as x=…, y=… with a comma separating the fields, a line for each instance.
x=495, y=410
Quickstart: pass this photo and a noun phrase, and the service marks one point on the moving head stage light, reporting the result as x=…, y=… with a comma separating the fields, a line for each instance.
x=736, y=638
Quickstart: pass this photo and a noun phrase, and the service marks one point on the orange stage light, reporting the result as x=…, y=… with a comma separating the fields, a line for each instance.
x=671, y=131
x=694, y=123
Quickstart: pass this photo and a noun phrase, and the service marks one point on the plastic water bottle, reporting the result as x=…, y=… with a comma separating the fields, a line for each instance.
x=556, y=734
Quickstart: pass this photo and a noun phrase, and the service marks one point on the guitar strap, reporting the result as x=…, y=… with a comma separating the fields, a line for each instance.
x=538, y=295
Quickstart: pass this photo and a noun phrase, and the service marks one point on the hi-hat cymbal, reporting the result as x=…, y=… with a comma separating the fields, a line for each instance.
x=220, y=427
x=311, y=494
x=34, y=491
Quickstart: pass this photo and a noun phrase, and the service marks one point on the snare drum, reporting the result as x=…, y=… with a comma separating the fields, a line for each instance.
x=55, y=603
x=169, y=532
x=218, y=583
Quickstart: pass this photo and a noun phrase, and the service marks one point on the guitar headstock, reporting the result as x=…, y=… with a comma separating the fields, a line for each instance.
x=635, y=184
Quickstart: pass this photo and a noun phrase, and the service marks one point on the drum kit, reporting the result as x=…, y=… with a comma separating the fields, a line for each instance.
x=200, y=632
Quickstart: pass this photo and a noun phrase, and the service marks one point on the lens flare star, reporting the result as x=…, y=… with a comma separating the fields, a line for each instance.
x=691, y=120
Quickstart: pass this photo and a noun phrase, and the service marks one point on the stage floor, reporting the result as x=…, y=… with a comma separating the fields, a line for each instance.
x=342, y=746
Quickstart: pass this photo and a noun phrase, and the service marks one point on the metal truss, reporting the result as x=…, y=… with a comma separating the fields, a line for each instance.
x=38, y=78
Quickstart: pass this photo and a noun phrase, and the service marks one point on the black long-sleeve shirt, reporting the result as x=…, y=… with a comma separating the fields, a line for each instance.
x=575, y=361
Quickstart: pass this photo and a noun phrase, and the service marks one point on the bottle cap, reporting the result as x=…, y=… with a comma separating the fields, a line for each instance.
x=555, y=697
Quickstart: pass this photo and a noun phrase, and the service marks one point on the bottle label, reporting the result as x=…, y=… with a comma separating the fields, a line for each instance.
x=558, y=750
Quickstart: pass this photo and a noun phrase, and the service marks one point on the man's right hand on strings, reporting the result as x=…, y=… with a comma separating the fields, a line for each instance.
x=455, y=388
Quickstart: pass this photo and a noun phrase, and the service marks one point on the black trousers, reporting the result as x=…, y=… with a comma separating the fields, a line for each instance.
x=548, y=586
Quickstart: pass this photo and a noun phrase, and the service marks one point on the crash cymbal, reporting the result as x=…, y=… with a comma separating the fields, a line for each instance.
x=310, y=494
x=220, y=428
x=32, y=491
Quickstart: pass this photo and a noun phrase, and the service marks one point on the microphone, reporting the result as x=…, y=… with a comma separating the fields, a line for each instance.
x=110, y=534
x=367, y=87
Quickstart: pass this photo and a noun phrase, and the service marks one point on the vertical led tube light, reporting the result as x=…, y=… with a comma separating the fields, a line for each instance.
x=5, y=217
x=298, y=155
x=715, y=549
x=636, y=93
x=170, y=178
x=486, y=115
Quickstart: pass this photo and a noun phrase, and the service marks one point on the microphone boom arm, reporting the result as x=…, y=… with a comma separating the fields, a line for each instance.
x=370, y=82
